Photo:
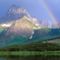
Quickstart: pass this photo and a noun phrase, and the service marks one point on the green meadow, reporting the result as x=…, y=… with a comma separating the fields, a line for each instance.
x=29, y=53
x=33, y=49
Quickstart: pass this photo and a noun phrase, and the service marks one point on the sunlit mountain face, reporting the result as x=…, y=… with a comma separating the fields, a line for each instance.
x=22, y=28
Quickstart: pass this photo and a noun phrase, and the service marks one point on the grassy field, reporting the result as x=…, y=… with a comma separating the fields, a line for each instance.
x=33, y=49
x=29, y=53
x=46, y=49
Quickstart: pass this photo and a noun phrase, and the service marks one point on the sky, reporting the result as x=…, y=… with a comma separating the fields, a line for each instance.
x=40, y=9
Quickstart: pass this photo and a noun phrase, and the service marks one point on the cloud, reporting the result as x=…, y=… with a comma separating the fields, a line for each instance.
x=5, y=25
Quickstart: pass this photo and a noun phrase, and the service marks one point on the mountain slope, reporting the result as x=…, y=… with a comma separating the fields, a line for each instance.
x=19, y=32
x=23, y=29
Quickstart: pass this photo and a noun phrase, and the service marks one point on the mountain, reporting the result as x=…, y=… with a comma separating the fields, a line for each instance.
x=23, y=29
x=17, y=32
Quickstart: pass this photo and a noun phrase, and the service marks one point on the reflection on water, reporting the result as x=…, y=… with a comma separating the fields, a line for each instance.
x=31, y=58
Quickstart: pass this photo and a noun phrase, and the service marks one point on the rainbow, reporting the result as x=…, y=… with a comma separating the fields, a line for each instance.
x=53, y=21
